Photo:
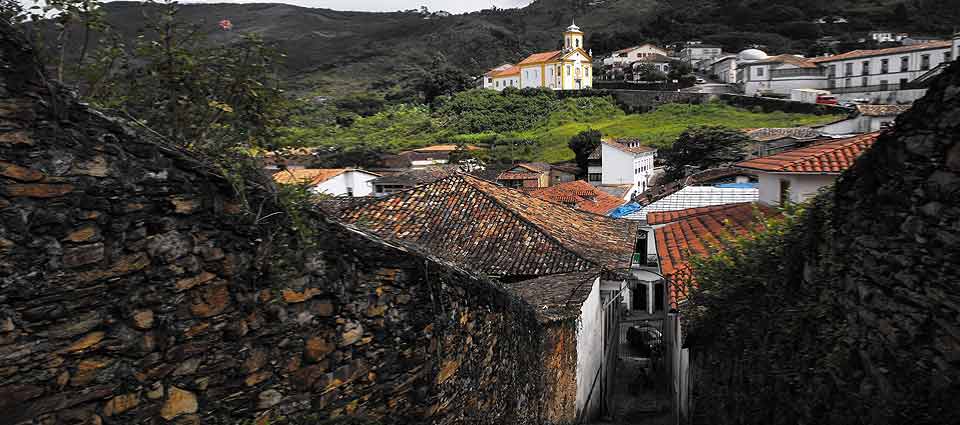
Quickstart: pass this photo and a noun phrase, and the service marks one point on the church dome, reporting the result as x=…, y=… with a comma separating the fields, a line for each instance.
x=573, y=27
x=751, y=55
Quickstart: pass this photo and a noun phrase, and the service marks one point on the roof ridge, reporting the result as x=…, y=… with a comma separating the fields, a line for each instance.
x=527, y=221
x=841, y=144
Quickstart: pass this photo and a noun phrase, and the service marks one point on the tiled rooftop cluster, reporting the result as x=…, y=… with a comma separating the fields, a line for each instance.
x=497, y=231
x=830, y=157
x=694, y=231
x=582, y=195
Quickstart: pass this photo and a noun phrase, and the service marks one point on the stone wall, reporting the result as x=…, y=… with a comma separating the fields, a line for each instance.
x=135, y=287
x=859, y=322
x=768, y=104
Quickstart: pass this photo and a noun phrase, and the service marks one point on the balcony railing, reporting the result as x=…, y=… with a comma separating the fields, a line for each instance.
x=797, y=72
x=872, y=88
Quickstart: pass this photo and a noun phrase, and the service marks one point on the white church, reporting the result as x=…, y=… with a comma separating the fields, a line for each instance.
x=567, y=69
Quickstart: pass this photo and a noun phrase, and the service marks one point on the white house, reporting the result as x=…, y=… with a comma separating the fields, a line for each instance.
x=884, y=36
x=869, y=118
x=433, y=155
x=330, y=181
x=624, y=58
x=507, y=77
x=778, y=75
x=696, y=52
x=797, y=175
x=622, y=162
x=725, y=69
x=494, y=78
x=882, y=75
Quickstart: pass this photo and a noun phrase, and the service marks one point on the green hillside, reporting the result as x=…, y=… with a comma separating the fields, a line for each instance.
x=335, y=52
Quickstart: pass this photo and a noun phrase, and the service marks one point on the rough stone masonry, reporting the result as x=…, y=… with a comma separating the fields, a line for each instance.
x=134, y=289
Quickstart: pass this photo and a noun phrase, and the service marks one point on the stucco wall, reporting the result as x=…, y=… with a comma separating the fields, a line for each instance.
x=589, y=354
x=617, y=166
x=802, y=186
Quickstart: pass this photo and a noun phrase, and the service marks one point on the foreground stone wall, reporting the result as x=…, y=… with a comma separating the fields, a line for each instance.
x=861, y=325
x=136, y=288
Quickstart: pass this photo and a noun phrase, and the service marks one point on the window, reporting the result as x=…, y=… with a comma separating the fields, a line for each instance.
x=489, y=80
x=784, y=191
x=884, y=85
x=947, y=56
x=864, y=81
x=658, y=296
x=832, y=72
x=760, y=72
x=903, y=83
x=905, y=64
x=848, y=82
x=578, y=42
x=848, y=69
x=594, y=177
x=865, y=68
x=568, y=70
x=924, y=62
x=350, y=192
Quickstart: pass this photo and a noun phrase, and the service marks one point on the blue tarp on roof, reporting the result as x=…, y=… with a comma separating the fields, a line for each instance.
x=737, y=185
x=624, y=210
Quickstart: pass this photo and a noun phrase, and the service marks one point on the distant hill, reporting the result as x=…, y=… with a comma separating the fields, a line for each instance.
x=335, y=52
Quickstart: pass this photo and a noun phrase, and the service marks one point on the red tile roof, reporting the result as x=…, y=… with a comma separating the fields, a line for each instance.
x=540, y=57
x=879, y=52
x=512, y=175
x=310, y=176
x=697, y=231
x=513, y=70
x=495, y=230
x=832, y=157
x=788, y=59
x=584, y=195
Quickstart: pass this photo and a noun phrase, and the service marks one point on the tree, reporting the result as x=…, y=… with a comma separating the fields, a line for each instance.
x=583, y=144
x=703, y=148
x=647, y=72
x=176, y=83
x=442, y=79
x=11, y=11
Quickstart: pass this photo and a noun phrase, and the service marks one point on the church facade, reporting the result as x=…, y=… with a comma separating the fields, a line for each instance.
x=568, y=69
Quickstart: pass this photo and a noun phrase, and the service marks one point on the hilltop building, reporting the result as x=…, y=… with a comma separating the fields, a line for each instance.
x=890, y=75
x=567, y=69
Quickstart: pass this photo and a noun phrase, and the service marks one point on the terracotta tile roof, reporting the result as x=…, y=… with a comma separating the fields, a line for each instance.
x=310, y=176
x=540, y=57
x=788, y=59
x=880, y=52
x=513, y=70
x=633, y=146
x=664, y=217
x=495, y=230
x=512, y=175
x=497, y=69
x=767, y=134
x=832, y=157
x=618, y=190
x=556, y=296
x=419, y=176
x=655, y=58
x=882, y=110
x=583, y=194
x=697, y=233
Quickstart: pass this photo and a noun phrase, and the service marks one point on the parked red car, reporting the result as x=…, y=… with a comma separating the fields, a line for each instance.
x=826, y=100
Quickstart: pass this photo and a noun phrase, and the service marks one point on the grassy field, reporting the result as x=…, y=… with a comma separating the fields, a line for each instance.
x=661, y=127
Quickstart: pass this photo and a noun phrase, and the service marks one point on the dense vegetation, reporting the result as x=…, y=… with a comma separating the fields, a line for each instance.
x=393, y=53
x=518, y=124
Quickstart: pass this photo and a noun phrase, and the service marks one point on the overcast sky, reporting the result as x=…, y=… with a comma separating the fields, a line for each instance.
x=455, y=6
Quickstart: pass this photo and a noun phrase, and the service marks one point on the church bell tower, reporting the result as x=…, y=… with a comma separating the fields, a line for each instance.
x=572, y=37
